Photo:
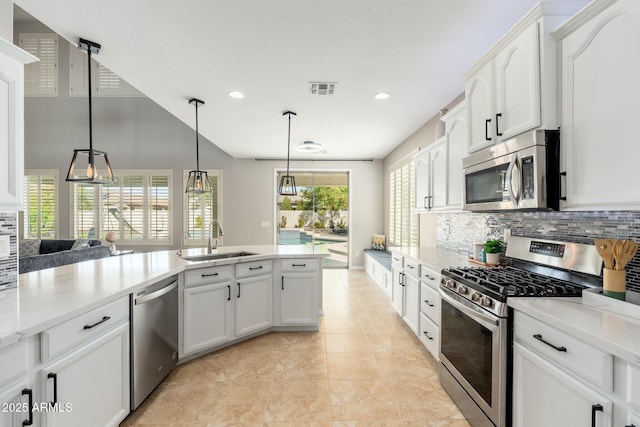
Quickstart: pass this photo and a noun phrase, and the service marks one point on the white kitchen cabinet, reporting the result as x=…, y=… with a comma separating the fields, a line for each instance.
x=457, y=136
x=253, y=303
x=17, y=405
x=298, y=297
x=431, y=176
x=411, y=314
x=380, y=274
x=406, y=290
x=429, y=332
x=545, y=395
x=397, y=289
x=12, y=60
x=513, y=87
x=207, y=316
x=600, y=107
x=90, y=385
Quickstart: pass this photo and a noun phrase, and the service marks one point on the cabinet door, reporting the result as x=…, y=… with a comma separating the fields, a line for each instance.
x=11, y=133
x=397, y=289
x=16, y=406
x=480, y=107
x=571, y=404
x=298, y=299
x=439, y=169
x=412, y=303
x=253, y=304
x=207, y=316
x=422, y=177
x=600, y=109
x=457, y=138
x=91, y=384
x=518, y=85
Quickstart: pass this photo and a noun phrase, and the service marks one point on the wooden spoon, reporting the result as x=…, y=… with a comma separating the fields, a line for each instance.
x=629, y=249
x=618, y=254
x=605, y=249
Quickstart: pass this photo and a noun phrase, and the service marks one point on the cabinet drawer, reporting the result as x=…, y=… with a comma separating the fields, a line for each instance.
x=429, y=277
x=430, y=303
x=73, y=332
x=298, y=265
x=397, y=259
x=207, y=275
x=13, y=360
x=255, y=268
x=412, y=268
x=590, y=363
x=430, y=336
x=634, y=385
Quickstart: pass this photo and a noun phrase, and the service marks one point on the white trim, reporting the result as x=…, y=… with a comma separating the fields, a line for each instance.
x=56, y=192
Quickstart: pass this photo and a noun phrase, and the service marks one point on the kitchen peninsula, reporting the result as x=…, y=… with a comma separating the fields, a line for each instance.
x=62, y=322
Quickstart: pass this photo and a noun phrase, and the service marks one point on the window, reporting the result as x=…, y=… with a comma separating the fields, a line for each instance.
x=40, y=216
x=41, y=77
x=104, y=81
x=136, y=207
x=201, y=209
x=403, y=221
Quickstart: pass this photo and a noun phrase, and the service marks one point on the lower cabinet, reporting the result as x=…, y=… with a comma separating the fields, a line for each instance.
x=90, y=385
x=298, y=292
x=253, y=306
x=430, y=310
x=17, y=405
x=207, y=316
x=412, y=302
x=545, y=395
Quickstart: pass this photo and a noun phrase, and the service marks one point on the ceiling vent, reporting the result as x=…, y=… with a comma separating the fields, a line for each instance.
x=322, y=88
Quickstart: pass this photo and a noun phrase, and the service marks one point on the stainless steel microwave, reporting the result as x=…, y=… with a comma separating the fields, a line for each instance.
x=520, y=173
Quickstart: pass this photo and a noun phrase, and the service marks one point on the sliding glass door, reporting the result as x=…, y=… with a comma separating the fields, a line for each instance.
x=318, y=215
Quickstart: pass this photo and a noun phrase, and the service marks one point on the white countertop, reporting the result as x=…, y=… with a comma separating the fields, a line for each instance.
x=48, y=297
x=616, y=333
x=433, y=258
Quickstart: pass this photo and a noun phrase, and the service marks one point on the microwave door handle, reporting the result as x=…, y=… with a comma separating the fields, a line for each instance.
x=514, y=197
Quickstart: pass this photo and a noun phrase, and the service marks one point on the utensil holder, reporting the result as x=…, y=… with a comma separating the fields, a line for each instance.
x=614, y=283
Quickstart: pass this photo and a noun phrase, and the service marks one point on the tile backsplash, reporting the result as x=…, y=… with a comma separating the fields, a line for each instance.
x=457, y=232
x=9, y=265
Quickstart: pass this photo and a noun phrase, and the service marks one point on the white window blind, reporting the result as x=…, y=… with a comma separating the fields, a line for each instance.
x=201, y=209
x=104, y=81
x=40, y=215
x=403, y=221
x=41, y=77
x=136, y=207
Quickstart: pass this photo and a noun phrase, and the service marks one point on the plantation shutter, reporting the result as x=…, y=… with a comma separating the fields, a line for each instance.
x=41, y=77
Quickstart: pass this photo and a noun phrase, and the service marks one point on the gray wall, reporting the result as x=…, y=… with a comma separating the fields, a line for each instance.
x=139, y=134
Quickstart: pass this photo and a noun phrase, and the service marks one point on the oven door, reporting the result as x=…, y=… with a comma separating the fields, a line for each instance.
x=473, y=346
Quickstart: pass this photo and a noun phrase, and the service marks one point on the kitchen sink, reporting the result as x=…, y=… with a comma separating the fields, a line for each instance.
x=210, y=257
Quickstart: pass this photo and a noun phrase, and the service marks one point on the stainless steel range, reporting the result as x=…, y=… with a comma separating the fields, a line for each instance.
x=475, y=331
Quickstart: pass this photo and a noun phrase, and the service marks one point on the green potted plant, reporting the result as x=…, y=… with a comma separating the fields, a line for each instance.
x=492, y=250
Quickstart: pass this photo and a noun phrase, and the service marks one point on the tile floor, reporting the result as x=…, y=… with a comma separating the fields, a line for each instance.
x=364, y=368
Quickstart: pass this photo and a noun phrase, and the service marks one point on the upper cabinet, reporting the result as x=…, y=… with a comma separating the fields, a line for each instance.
x=438, y=167
x=513, y=87
x=600, y=107
x=12, y=60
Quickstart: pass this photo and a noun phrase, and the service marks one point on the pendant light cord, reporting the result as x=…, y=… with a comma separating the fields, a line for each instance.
x=197, y=143
x=288, y=143
x=90, y=109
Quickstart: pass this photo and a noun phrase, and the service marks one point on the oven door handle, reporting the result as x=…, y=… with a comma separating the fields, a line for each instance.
x=488, y=321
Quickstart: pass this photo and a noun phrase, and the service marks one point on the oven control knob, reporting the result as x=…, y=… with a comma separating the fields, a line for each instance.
x=462, y=290
x=486, y=302
x=451, y=284
x=476, y=297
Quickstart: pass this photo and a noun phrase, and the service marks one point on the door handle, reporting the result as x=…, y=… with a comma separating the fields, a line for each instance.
x=563, y=174
x=486, y=130
x=29, y=393
x=427, y=335
x=428, y=303
x=104, y=319
x=238, y=290
x=55, y=387
x=595, y=408
x=498, y=124
x=229, y=289
x=509, y=178
x=542, y=340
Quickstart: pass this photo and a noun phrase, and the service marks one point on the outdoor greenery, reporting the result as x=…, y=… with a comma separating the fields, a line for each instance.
x=326, y=202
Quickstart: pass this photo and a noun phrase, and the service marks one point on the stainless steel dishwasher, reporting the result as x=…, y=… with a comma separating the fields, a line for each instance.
x=154, y=337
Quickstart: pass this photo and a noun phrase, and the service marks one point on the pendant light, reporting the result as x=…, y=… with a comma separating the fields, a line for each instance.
x=287, y=182
x=198, y=181
x=90, y=166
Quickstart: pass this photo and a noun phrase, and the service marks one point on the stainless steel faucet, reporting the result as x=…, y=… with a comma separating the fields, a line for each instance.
x=211, y=247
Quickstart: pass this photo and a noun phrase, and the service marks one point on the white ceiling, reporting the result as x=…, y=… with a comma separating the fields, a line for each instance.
x=270, y=50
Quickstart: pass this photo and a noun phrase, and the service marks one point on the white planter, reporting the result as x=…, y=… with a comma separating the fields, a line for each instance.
x=493, y=258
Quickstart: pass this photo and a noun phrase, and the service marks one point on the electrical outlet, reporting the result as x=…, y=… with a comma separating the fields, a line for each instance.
x=447, y=229
x=507, y=234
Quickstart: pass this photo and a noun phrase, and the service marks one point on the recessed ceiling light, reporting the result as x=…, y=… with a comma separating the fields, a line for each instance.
x=381, y=95
x=309, y=147
x=235, y=94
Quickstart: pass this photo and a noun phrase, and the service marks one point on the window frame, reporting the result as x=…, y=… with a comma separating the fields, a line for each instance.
x=98, y=207
x=186, y=241
x=56, y=191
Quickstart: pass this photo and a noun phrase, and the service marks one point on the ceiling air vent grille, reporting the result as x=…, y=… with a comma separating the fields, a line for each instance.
x=322, y=88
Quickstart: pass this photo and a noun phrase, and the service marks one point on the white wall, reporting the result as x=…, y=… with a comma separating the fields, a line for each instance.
x=139, y=134
x=6, y=19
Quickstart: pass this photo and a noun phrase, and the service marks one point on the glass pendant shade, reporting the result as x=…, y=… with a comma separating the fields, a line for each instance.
x=198, y=182
x=88, y=165
x=287, y=185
